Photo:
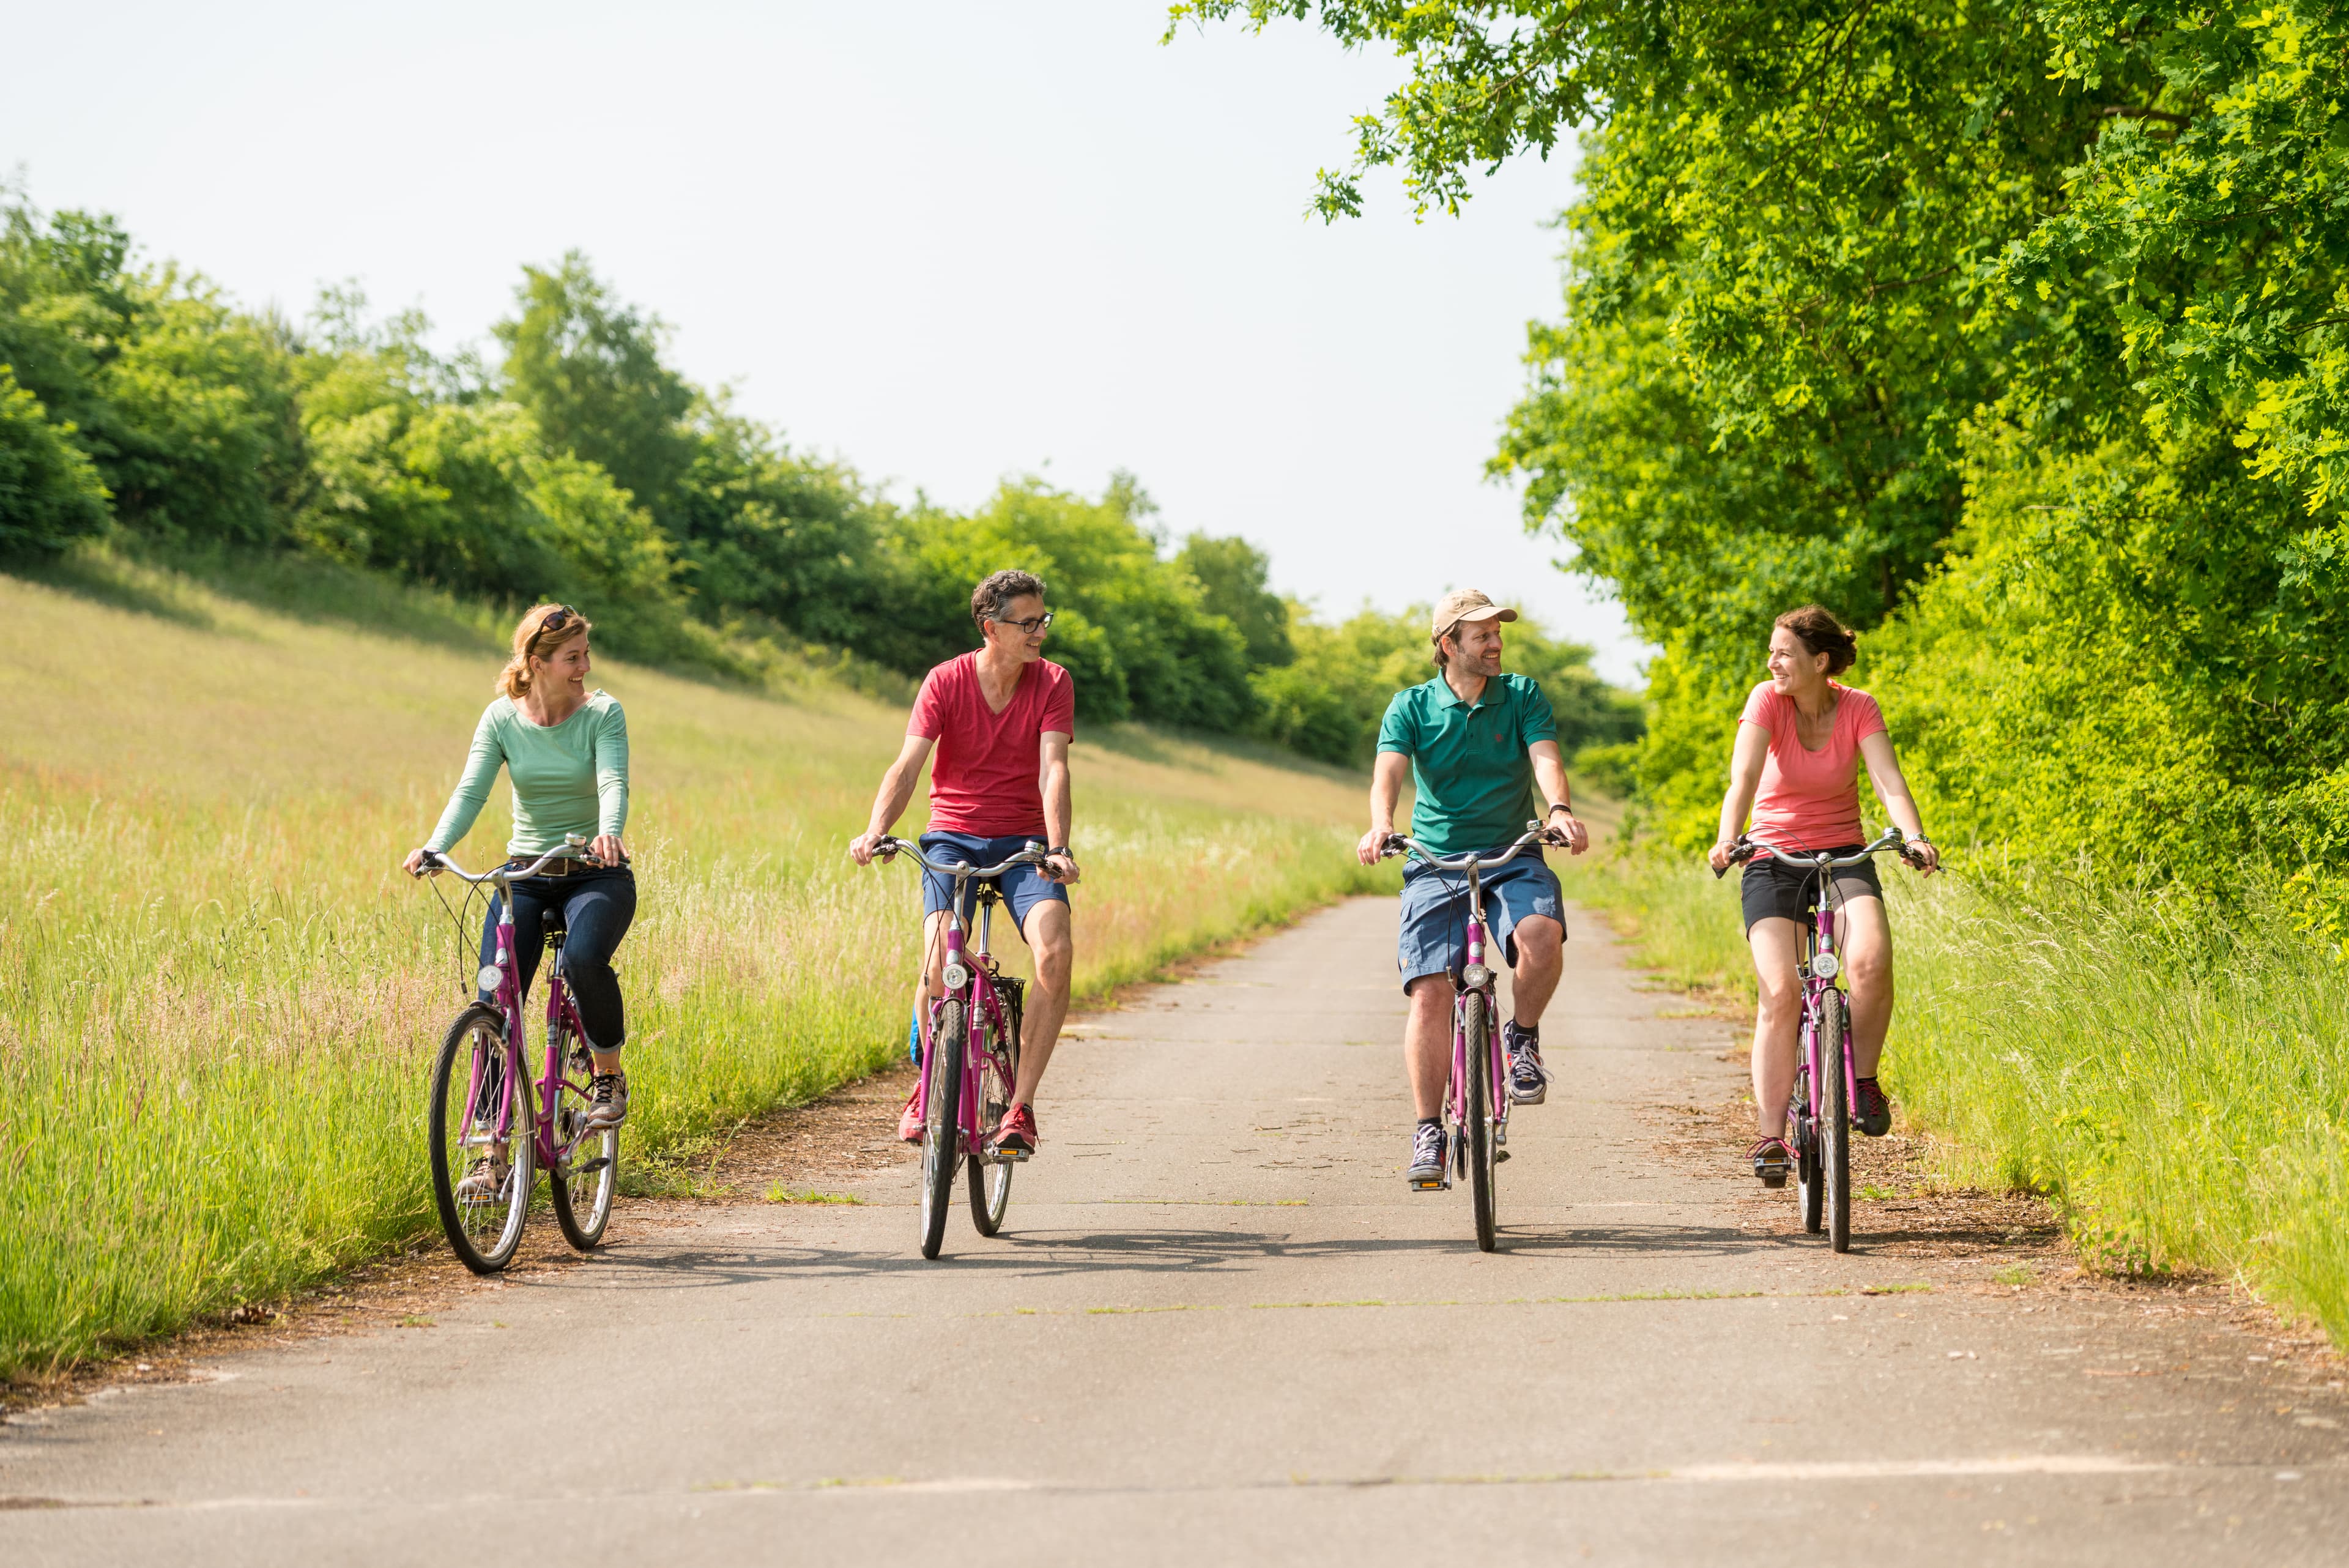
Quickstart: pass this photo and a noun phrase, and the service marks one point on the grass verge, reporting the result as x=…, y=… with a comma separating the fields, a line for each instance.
x=218, y=994
x=2176, y=1082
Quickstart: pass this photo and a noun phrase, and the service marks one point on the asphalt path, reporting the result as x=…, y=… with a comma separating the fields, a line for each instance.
x=1218, y=1327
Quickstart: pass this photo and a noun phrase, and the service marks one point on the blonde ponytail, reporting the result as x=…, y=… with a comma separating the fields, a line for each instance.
x=541, y=629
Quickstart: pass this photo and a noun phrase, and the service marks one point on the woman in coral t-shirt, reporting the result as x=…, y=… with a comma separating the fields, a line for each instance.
x=1796, y=766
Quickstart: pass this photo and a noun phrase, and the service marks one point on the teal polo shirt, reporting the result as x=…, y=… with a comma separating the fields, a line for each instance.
x=1469, y=765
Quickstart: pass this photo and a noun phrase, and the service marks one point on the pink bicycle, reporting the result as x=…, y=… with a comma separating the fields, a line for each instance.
x=489, y=1132
x=1818, y=1115
x=1477, y=1101
x=970, y=1055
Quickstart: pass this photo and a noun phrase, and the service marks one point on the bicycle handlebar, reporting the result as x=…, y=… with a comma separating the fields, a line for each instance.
x=1397, y=844
x=436, y=861
x=889, y=848
x=1746, y=848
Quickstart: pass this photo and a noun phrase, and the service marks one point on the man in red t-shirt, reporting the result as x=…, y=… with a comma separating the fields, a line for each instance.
x=1001, y=717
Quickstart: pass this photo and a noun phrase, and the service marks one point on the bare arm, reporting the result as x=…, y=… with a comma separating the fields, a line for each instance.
x=1387, y=774
x=1745, y=759
x=1891, y=788
x=889, y=804
x=1057, y=814
x=1549, y=776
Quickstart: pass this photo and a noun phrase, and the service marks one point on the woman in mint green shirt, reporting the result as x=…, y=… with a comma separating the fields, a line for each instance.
x=565, y=750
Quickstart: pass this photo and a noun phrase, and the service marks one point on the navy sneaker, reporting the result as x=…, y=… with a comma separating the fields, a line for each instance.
x=1873, y=1114
x=1529, y=1079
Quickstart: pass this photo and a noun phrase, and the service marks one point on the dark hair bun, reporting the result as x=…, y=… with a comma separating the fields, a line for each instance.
x=1816, y=627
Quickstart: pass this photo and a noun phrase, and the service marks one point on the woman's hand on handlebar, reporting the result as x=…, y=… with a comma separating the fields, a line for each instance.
x=608, y=850
x=421, y=862
x=1723, y=854
x=1921, y=853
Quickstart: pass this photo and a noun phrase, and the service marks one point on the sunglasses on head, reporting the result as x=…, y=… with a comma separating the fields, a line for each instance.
x=563, y=615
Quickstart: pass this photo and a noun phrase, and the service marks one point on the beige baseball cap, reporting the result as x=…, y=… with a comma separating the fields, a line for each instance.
x=1467, y=604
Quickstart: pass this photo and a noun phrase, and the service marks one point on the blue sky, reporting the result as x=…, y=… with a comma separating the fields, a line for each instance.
x=945, y=241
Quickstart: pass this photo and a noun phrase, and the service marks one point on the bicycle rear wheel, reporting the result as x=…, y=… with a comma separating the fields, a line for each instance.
x=1835, y=1120
x=941, y=1124
x=582, y=1190
x=481, y=1178
x=990, y=1180
x=1483, y=1168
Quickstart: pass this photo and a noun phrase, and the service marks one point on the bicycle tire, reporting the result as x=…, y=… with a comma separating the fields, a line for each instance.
x=483, y=1234
x=990, y=1180
x=1809, y=1192
x=941, y=1124
x=1835, y=1121
x=1482, y=1169
x=582, y=1195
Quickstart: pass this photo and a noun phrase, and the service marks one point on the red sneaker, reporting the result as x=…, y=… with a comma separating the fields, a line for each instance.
x=909, y=1120
x=1016, y=1136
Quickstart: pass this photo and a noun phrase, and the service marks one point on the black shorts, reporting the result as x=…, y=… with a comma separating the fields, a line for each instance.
x=1772, y=889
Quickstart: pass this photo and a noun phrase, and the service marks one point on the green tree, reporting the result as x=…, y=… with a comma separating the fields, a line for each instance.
x=49, y=492
x=589, y=369
x=1232, y=575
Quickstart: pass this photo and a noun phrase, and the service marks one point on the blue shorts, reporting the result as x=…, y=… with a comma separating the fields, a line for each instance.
x=1435, y=938
x=1024, y=887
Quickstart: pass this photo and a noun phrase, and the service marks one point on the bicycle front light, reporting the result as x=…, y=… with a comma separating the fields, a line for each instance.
x=491, y=978
x=1824, y=965
x=957, y=976
x=1476, y=977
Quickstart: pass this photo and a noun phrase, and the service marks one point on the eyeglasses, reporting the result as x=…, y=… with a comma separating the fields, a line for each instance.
x=564, y=615
x=1032, y=626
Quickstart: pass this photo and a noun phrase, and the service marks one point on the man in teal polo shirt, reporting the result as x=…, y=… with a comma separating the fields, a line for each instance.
x=1476, y=744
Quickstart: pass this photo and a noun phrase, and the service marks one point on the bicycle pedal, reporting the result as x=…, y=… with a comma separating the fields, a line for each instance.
x=1438, y=1185
x=1500, y=1156
x=592, y=1165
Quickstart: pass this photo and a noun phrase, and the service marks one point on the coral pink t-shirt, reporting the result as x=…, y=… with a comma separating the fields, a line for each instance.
x=988, y=776
x=1810, y=800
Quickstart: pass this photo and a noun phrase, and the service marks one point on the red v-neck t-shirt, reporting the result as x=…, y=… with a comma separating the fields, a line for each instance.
x=1810, y=800
x=986, y=778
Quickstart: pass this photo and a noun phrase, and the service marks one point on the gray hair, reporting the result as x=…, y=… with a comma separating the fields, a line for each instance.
x=988, y=600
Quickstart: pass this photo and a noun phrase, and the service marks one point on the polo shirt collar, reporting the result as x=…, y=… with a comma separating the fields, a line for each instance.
x=1447, y=698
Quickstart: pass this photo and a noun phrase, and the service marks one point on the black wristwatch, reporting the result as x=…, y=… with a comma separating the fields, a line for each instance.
x=1063, y=851
x=1561, y=806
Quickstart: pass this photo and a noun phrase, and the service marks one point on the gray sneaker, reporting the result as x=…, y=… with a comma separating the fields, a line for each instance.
x=1426, y=1168
x=1529, y=1079
x=484, y=1180
x=607, y=1101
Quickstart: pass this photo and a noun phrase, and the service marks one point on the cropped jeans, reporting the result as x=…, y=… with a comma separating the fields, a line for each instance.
x=596, y=908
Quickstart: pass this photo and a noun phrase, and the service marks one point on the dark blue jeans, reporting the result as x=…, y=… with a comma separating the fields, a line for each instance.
x=596, y=909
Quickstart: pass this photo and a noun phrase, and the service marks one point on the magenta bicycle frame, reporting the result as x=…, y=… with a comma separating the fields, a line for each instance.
x=1815, y=990
x=1497, y=1092
x=561, y=1017
x=979, y=1002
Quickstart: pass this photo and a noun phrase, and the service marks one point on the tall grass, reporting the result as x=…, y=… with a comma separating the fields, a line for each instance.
x=2177, y=1081
x=218, y=994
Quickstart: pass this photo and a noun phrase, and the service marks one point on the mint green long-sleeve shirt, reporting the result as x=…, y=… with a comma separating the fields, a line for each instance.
x=568, y=778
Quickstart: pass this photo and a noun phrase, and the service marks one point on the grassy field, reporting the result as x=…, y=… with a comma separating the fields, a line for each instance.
x=217, y=993
x=2178, y=1083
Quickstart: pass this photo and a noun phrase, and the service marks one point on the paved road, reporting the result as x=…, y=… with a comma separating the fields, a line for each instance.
x=1218, y=1328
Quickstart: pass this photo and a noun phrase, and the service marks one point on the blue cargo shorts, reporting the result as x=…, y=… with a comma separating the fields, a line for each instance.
x=1435, y=936
x=1023, y=886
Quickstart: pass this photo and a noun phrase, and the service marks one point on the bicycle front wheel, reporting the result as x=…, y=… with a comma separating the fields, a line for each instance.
x=941, y=1124
x=481, y=1176
x=990, y=1180
x=1802, y=1130
x=1475, y=1019
x=583, y=1189
x=1835, y=1120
